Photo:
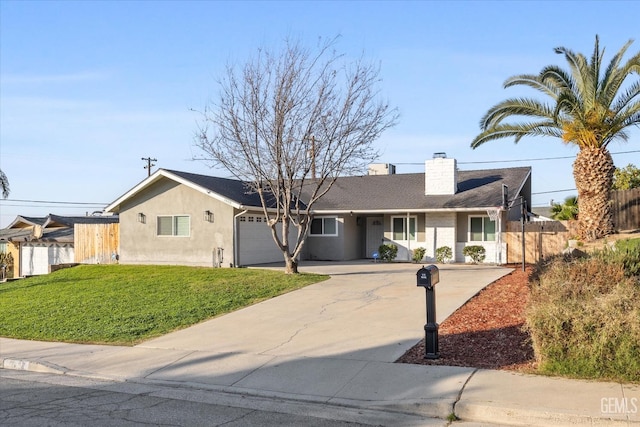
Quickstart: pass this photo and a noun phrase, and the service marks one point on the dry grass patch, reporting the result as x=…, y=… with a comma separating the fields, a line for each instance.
x=584, y=319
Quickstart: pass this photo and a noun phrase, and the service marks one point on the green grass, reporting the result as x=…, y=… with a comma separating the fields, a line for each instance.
x=124, y=305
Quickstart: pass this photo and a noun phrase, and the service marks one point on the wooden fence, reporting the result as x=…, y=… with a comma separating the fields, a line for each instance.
x=96, y=243
x=541, y=238
x=625, y=206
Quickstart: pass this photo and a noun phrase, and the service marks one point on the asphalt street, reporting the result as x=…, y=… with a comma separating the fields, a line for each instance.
x=36, y=399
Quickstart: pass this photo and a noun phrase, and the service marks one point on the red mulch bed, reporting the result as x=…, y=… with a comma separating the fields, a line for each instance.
x=486, y=332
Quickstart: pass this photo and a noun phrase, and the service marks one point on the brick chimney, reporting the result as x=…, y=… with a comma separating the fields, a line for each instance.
x=441, y=175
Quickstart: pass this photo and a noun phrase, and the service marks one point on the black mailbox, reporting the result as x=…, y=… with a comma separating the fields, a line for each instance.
x=428, y=276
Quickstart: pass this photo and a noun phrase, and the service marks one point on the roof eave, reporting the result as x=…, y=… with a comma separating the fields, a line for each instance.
x=163, y=173
x=397, y=210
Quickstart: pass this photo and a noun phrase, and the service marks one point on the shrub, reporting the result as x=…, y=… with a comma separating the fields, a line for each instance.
x=388, y=252
x=444, y=254
x=6, y=263
x=626, y=253
x=584, y=318
x=418, y=254
x=477, y=253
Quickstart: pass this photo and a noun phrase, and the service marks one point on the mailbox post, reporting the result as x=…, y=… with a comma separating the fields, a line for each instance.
x=428, y=277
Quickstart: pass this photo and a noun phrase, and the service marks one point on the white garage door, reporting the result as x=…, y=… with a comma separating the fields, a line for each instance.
x=256, y=246
x=35, y=258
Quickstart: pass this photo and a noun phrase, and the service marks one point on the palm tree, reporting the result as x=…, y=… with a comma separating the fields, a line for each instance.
x=589, y=108
x=565, y=211
x=4, y=184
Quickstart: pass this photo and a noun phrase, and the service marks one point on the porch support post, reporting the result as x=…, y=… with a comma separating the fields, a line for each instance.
x=499, y=238
x=409, y=236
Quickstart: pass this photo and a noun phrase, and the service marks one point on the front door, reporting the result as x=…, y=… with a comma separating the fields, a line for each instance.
x=375, y=234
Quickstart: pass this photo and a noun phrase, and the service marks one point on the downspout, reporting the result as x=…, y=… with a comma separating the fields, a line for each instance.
x=409, y=236
x=235, y=237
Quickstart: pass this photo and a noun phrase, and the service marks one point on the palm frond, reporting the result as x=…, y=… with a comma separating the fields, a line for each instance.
x=615, y=62
x=613, y=79
x=518, y=131
x=532, y=81
x=632, y=117
x=579, y=68
x=625, y=99
x=559, y=78
x=593, y=74
x=515, y=107
x=569, y=104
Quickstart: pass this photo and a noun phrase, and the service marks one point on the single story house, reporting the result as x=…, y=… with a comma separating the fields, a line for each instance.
x=38, y=243
x=175, y=217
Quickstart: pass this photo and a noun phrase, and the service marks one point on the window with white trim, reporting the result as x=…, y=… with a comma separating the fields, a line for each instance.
x=399, y=229
x=482, y=229
x=324, y=226
x=174, y=225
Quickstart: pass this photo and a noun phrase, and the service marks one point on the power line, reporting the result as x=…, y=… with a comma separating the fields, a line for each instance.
x=521, y=160
x=545, y=158
x=54, y=202
x=554, y=191
x=53, y=206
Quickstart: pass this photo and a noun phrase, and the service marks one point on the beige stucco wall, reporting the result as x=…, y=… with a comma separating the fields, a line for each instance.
x=140, y=244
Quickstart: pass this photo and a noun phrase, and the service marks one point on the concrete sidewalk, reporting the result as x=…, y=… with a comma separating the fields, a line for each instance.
x=334, y=343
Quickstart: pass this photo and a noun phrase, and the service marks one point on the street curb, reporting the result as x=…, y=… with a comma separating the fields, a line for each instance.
x=28, y=365
x=465, y=411
x=476, y=412
x=430, y=408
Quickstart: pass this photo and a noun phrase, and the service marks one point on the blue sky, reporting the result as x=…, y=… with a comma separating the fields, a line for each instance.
x=89, y=88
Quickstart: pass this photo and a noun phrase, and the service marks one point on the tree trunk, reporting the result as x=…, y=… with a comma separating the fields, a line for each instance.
x=593, y=174
x=290, y=264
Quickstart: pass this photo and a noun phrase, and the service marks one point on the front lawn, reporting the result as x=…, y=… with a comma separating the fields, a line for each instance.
x=124, y=304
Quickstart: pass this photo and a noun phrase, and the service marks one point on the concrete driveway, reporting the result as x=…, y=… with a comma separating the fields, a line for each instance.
x=365, y=311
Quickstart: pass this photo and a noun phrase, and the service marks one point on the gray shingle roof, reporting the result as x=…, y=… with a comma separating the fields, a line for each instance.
x=232, y=189
x=476, y=189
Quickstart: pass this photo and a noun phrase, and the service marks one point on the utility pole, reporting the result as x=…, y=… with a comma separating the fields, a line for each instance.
x=313, y=157
x=311, y=152
x=149, y=164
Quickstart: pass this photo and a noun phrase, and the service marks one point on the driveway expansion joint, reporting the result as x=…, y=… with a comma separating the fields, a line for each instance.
x=459, y=396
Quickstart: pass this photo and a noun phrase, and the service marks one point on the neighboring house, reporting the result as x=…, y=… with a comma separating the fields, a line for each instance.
x=176, y=217
x=37, y=243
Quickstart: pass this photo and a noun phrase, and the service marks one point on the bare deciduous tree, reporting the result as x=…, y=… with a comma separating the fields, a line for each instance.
x=4, y=184
x=288, y=124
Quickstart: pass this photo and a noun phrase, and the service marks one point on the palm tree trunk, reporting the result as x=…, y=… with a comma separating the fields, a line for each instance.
x=593, y=174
